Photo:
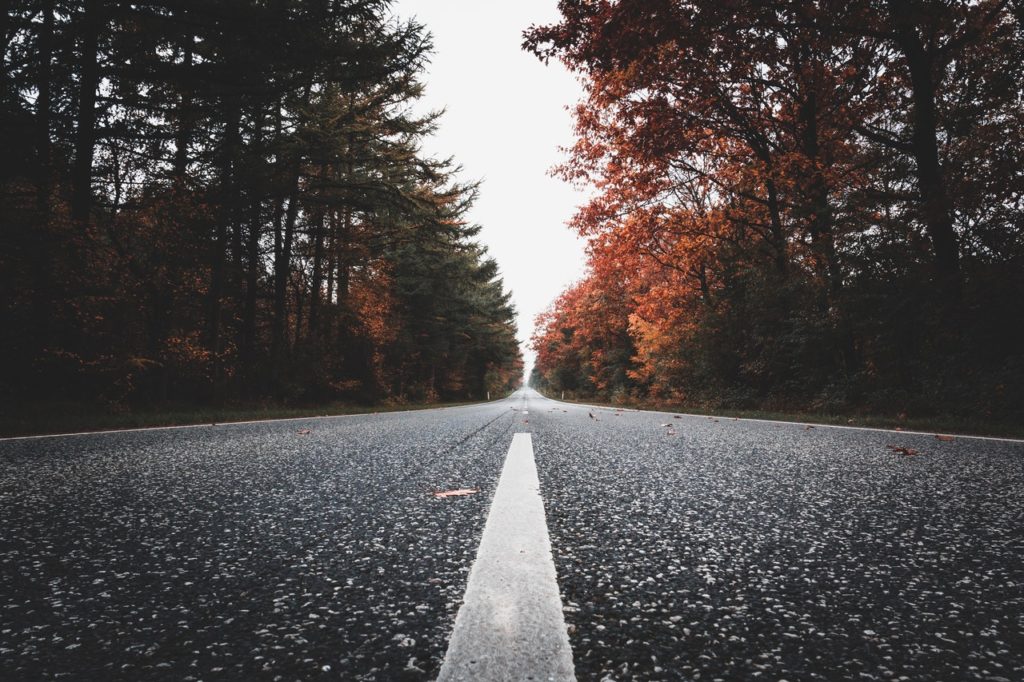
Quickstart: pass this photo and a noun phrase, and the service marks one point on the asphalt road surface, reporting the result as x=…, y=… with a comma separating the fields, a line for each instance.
x=685, y=547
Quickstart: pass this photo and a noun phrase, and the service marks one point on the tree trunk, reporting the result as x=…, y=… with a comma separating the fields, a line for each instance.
x=316, y=286
x=5, y=31
x=41, y=275
x=252, y=260
x=85, y=134
x=778, y=234
x=937, y=209
x=183, y=131
x=818, y=207
x=282, y=268
x=224, y=223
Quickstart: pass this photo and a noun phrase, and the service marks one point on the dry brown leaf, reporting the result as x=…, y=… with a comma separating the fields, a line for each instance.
x=676, y=416
x=909, y=452
x=303, y=432
x=808, y=427
x=459, y=492
x=944, y=438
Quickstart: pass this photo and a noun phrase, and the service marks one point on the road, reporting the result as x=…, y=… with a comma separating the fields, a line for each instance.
x=684, y=547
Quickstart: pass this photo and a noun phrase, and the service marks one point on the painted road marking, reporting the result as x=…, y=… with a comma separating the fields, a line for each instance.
x=510, y=625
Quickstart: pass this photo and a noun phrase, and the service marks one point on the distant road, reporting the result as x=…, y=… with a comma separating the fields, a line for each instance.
x=316, y=549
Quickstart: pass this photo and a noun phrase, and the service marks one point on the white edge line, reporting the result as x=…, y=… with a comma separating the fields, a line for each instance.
x=796, y=423
x=235, y=423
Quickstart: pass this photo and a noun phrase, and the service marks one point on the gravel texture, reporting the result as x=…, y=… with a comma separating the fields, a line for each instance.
x=244, y=551
x=686, y=548
x=717, y=549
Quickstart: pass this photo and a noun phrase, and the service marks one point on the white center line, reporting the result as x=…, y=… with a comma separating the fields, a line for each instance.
x=510, y=626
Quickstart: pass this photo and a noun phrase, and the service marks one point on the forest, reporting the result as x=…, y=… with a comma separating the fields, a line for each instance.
x=797, y=205
x=207, y=202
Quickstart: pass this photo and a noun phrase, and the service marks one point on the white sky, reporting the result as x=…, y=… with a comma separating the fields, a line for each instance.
x=505, y=120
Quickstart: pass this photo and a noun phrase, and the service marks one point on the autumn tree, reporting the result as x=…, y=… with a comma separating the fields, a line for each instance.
x=797, y=183
x=216, y=201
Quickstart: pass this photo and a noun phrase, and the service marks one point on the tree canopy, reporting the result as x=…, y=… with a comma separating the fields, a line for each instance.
x=798, y=204
x=229, y=200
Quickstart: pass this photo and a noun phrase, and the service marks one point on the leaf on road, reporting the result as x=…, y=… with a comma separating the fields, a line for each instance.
x=458, y=492
x=303, y=432
x=808, y=427
x=677, y=416
x=526, y=421
x=591, y=415
x=909, y=452
x=944, y=438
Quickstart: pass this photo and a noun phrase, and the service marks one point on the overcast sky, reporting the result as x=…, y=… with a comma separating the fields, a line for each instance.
x=505, y=121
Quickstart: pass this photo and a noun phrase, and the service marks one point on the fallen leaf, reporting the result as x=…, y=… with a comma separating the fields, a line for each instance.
x=591, y=415
x=669, y=425
x=526, y=421
x=676, y=416
x=459, y=492
x=303, y=432
x=808, y=427
x=909, y=452
x=944, y=438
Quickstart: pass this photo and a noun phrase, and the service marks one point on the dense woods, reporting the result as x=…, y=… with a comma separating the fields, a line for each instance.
x=812, y=205
x=215, y=201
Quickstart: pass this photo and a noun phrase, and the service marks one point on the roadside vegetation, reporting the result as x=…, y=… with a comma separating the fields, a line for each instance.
x=965, y=426
x=222, y=203
x=56, y=417
x=812, y=208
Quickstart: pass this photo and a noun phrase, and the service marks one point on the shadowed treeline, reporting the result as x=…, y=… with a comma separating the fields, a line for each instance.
x=207, y=201
x=799, y=205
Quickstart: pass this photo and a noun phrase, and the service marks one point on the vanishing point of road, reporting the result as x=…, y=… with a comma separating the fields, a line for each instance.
x=603, y=545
